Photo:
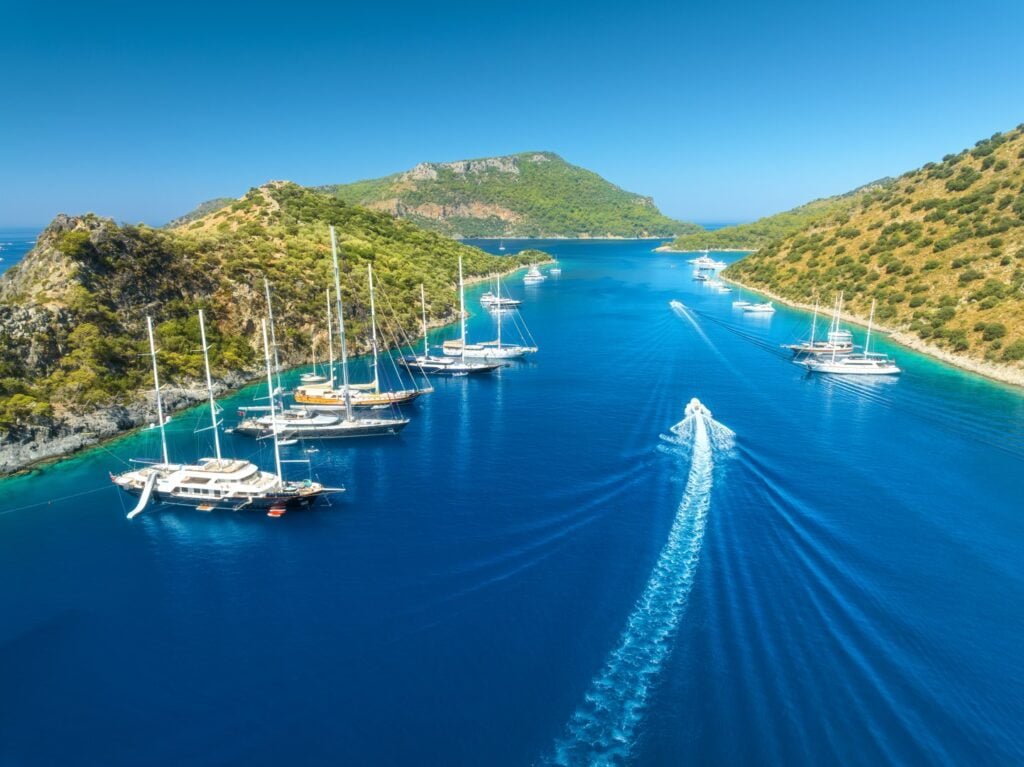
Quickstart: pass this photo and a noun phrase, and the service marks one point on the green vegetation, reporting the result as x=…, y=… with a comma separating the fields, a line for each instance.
x=771, y=228
x=202, y=209
x=941, y=249
x=533, y=194
x=72, y=316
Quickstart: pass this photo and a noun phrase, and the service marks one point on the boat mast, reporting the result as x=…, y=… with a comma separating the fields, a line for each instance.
x=871, y=318
x=209, y=386
x=273, y=338
x=423, y=304
x=156, y=388
x=462, y=309
x=341, y=326
x=273, y=417
x=373, y=332
x=814, y=323
x=330, y=338
x=499, y=313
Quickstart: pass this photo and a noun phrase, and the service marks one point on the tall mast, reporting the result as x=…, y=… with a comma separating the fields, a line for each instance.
x=341, y=327
x=156, y=388
x=373, y=331
x=814, y=323
x=273, y=338
x=871, y=318
x=273, y=417
x=330, y=339
x=500, y=313
x=462, y=308
x=423, y=304
x=209, y=386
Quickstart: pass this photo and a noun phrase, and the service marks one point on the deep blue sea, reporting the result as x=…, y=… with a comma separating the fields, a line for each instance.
x=15, y=242
x=531, y=574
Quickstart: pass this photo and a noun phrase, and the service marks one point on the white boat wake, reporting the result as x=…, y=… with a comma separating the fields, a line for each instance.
x=603, y=729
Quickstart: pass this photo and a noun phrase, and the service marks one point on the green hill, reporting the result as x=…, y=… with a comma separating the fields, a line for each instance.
x=940, y=248
x=72, y=313
x=759, y=233
x=533, y=194
x=202, y=209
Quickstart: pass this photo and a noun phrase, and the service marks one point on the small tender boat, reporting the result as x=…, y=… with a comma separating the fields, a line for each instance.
x=765, y=308
x=700, y=277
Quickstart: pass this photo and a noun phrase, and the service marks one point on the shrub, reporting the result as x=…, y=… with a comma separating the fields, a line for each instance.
x=1014, y=351
x=993, y=331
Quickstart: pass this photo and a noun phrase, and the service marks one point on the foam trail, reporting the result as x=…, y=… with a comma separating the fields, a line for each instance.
x=603, y=729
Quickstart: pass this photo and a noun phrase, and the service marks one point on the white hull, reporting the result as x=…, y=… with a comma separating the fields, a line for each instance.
x=486, y=352
x=853, y=366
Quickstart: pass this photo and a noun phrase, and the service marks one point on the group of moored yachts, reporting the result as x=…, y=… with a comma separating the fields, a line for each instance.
x=706, y=269
x=837, y=354
x=321, y=409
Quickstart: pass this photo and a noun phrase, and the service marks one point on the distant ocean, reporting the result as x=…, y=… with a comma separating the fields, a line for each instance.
x=712, y=226
x=15, y=242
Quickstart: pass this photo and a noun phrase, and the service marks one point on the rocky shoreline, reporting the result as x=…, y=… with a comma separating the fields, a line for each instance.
x=995, y=371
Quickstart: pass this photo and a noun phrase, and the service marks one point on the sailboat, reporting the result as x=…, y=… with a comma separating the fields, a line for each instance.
x=838, y=340
x=365, y=395
x=446, y=366
x=488, y=349
x=218, y=482
x=866, y=363
x=273, y=335
x=313, y=377
x=501, y=245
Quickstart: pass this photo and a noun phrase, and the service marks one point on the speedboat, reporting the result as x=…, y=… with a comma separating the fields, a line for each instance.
x=765, y=308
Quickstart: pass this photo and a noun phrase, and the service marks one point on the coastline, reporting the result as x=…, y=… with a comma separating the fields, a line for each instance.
x=670, y=249
x=991, y=370
x=107, y=424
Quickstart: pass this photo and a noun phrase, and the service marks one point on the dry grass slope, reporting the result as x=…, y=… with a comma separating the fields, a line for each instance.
x=941, y=250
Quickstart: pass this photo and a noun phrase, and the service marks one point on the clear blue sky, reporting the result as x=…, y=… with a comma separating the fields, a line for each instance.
x=722, y=111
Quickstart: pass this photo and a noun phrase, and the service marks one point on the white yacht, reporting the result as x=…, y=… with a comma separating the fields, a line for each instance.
x=490, y=300
x=218, y=482
x=866, y=363
x=300, y=424
x=765, y=308
x=491, y=350
x=427, y=364
x=704, y=261
x=533, y=276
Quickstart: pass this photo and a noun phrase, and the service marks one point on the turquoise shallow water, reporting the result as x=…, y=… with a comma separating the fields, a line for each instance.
x=530, y=574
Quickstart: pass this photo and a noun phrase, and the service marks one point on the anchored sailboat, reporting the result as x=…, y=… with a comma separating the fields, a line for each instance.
x=325, y=396
x=448, y=366
x=214, y=483
x=866, y=363
x=488, y=349
x=838, y=340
